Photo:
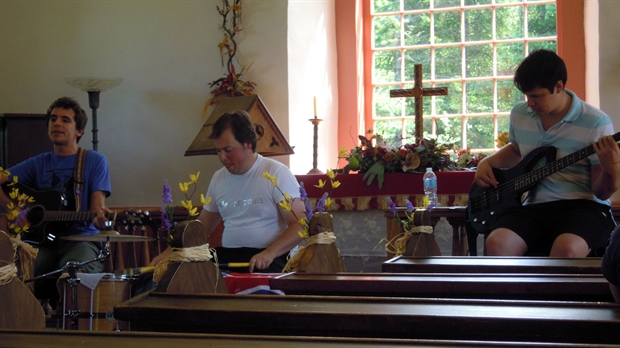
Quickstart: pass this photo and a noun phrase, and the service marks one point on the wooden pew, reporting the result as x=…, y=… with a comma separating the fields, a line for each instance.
x=63, y=339
x=374, y=317
x=551, y=287
x=487, y=264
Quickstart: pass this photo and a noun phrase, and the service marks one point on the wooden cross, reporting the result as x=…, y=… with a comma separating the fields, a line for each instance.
x=418, y=92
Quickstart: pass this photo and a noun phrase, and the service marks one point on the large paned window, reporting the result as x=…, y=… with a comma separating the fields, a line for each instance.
x=470, y=46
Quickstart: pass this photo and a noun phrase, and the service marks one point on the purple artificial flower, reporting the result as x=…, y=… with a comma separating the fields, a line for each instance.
x=410, y=207
x=392, y=205
x=166, y=196
x=309, y=212
x=320, y=205
x=165, y=221
x=302, y=192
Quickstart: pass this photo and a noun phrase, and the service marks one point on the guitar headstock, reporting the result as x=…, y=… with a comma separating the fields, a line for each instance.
x=133, y=220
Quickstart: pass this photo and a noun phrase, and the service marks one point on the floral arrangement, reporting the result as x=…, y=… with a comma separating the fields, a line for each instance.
x=16, y=221
x=379, y=158
x=231, y=85
x=321, y=205
x=167, y=213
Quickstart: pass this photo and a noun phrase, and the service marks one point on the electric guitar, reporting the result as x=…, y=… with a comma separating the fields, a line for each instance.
x=487, y=204
x=47, y=208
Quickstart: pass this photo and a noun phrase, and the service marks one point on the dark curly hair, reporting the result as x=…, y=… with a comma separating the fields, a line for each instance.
x=69, y=103
x=240, y=124
x=541, y=68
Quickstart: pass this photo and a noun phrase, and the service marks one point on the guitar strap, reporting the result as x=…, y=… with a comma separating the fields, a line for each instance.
x=78, y=177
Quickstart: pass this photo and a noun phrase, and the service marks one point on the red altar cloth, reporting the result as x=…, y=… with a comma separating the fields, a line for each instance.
x=452, y=187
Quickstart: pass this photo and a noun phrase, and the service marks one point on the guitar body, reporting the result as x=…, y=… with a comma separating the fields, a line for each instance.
x=43, y=200
x=486, y=204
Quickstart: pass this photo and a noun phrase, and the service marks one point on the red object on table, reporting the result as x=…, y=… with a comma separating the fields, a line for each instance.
x=238, y=282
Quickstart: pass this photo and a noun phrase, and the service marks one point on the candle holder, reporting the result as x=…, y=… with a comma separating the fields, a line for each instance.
x=315, y=121
x=94, y=86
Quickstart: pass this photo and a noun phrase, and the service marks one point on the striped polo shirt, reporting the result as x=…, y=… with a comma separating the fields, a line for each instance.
x=583, y=125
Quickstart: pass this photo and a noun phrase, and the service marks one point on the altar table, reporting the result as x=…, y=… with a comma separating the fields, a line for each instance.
x=359, y=211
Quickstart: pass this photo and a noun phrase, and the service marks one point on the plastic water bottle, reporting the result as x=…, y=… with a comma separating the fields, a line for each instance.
x=430, y=187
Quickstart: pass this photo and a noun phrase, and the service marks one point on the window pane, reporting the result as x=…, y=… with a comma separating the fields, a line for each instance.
x=415, y=4
x=541, y=20
x=507, y=95
x=413, y=57
x=503, y=124
x=448, y=62
x=417, y=29
x=509, y=55
x=447, y=27
x=384, y=105
x=479, y=96
x=477, y=2
x=480, y=133
x=391, y=131
x=387, y=66
x=509, y=22
x=479, y=60
x=509, y=1
x=451, y=103
x=449, y=129
x=478, y=25
x=447, y=3
x=387, y=31
x=385, y=6
x=548, y=45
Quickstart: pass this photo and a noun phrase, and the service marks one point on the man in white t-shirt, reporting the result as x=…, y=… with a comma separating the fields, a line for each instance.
x=256, y=228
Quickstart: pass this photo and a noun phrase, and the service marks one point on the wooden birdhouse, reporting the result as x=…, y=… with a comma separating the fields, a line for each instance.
x=271, y=141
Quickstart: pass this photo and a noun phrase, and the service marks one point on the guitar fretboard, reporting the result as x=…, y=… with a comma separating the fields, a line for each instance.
x=536, y=175
x=74, y=216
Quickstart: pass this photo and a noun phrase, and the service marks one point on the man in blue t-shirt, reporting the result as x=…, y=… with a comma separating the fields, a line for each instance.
x=567, y=213
x=55, y=171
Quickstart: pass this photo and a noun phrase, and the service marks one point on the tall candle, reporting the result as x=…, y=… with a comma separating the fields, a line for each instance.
x=315, y=114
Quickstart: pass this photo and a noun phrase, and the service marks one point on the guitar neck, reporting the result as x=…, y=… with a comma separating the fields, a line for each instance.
x=550, y=168
x=64, y=216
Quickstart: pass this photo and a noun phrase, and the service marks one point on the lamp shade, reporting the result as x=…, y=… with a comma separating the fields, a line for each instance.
x=271, y=141
x=89, y=84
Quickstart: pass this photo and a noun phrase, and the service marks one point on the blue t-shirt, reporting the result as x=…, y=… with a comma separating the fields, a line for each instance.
x=49, y=171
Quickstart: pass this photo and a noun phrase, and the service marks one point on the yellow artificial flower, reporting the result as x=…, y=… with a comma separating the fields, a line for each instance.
x=342, y=153
x=12, y=215
x=4, y=172
x=193, y=211
x=502, y=139
x=10, y=206
x=331, y=174
x=321, y=184
x=13, y=182
x=184, y=186
x=335, y=184
x=14, y=193
x=272, y=178
x=425, y=202
x=193, y=178
x=287, y=196
x=286, y=205
x=328, y=202
x=204, y=201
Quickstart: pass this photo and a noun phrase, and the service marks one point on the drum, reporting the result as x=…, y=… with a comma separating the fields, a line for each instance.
x=97, y=305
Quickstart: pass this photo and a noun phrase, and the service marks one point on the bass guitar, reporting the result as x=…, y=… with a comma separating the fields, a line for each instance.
x=487, y=204
x=47, y=208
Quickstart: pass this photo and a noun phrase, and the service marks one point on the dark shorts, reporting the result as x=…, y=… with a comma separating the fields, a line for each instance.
x=540, y=224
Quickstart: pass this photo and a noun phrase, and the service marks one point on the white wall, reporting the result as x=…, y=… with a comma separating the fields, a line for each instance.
x=313, y=72
x=167, y=53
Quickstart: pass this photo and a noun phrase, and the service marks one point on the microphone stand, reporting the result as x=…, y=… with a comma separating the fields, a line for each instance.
x=71, y=268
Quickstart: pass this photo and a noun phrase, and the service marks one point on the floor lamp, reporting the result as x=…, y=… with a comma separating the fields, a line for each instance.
x=94, y=86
